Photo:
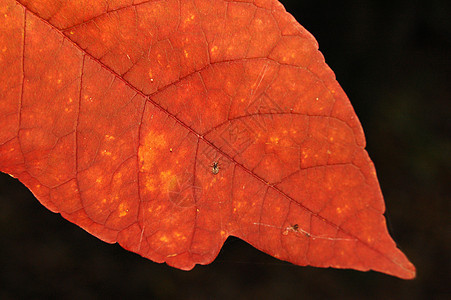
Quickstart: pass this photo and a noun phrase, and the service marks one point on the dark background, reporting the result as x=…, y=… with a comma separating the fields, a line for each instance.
x=393, y=60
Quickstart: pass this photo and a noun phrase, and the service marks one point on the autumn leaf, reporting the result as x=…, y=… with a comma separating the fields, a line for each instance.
x=167, y=126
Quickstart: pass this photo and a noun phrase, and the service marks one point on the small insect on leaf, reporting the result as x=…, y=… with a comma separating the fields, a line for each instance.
x=215, y=167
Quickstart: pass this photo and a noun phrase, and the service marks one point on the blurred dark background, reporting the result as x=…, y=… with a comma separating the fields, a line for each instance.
x=393, y=59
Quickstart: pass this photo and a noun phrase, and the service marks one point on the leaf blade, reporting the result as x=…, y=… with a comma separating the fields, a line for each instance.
x=133, y=134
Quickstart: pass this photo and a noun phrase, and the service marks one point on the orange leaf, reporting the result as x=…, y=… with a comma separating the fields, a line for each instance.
x=167, y=126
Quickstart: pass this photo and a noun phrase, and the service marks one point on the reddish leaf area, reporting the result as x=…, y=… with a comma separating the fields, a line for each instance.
x=167, y=126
